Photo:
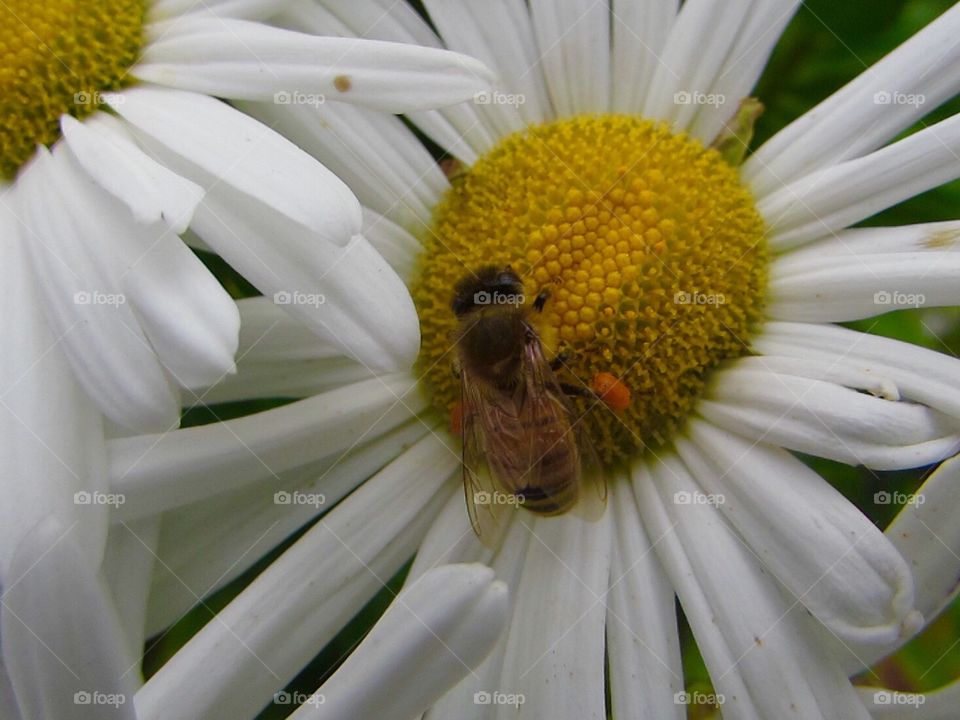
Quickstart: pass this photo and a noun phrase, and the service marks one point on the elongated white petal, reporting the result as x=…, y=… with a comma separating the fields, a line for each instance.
x=191, y=321
x=461, y=130
x=500, y=34
x=917, y=373
x=700, y=40
x=451, y=539
x=109, y=155
x=927, y=536
x=9, y=708
x=742, y=67
x=205, y=545
x=128, y=565
x=349, y=296
x=462, y=700
x=433, y=634
x=828, y=420
x=262, y=9
x=251, y=61
x=387, y=167
x=640, y=30
x=159, y=472
x=826, y=553
x=851, y=288
x=573, y=39
x=212, y=143
x=85, y=302
x=282, y=619
x=867, y=112
x=62, y=643
x=857, y=242
x=554, y=654
x=642, y=639
x=398, y=247
x=51, y=435
x=840, y=195
x=761, y=650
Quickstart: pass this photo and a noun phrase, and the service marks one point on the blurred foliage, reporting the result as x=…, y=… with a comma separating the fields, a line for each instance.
x=826, y=45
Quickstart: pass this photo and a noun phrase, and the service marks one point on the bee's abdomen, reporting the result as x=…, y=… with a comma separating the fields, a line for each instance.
x=552, y=481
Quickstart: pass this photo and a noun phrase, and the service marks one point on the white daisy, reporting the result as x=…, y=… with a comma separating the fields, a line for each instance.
x=112, y=144
x=709, y=289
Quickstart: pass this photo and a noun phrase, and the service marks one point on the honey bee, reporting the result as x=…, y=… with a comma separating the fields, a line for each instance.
x=515, y=417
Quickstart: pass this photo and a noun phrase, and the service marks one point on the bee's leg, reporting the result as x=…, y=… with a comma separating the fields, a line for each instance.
x=560, y=360
x=577, y=391
x=541, y=300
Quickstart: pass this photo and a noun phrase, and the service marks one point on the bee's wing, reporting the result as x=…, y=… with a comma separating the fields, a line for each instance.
x=543, y=387
x=478, y=430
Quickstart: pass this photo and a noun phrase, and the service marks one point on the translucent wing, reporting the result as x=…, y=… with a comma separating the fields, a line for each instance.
x=478, y=426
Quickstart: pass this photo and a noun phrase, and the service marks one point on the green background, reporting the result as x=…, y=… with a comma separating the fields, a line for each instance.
x=826, y=45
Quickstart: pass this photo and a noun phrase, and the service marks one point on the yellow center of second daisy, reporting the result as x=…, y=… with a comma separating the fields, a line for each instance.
x=57, y=57
x=651, y=248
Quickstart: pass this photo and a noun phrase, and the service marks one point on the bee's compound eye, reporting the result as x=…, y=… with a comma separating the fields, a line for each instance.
x=611, y=390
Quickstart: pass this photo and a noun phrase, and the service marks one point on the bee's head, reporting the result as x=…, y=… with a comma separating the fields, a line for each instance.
x=488, y=285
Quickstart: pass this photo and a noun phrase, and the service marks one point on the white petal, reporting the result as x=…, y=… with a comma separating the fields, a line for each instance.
x=461, y=130
x=214, y=144
x=279, y=357
x=826, y=553
x=244, y=60
x=378, y=157
x=433, y=634
x=62, y=643
x=190, y=320
x=51, y=435
x=701, y=38
x=205, y=545
x=451, y=539
x=349, y=296
x=379, y=19
x=828, y=420
x=101, y=334
x=398, y=247
x=108, y=154
x=917, y=373
x=555, y=650
x=640, y=31
x=573, y=39
x=164, y=9
x=294, y=607
x=840, y=195
x=866, y=113
x=857, y=242
x=128, y=565
x=643, y=644
x=159, y=472
x=499, y=33
x=742, y=67
x=926, y=533
x=460, y=702
x=866, y=285
x=929, y=538
x=762, y=651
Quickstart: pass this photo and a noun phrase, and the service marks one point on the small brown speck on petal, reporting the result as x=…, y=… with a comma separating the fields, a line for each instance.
x=342, y=83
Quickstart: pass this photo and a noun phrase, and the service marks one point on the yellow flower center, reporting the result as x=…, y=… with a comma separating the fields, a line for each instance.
x=651, y=248
x=56, y=57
